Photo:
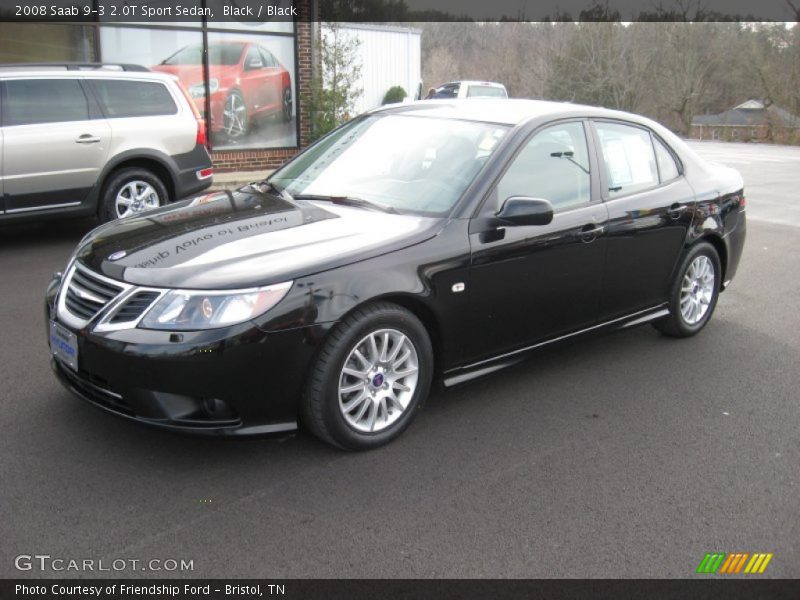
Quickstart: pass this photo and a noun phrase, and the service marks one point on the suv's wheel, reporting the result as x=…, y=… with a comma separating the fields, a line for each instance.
x=370, y=378
x=287, y=105
x=235, y=123
x=131, y=191
x=694, y=292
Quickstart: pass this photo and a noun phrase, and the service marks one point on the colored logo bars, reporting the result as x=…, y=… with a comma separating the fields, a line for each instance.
x=720, y=562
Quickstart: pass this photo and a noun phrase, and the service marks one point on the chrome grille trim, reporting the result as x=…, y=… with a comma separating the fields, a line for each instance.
x=85, y=294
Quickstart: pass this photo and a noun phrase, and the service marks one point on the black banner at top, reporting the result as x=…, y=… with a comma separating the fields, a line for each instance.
x=263, y=11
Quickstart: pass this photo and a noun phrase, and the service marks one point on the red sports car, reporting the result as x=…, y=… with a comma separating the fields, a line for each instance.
x=246, y=81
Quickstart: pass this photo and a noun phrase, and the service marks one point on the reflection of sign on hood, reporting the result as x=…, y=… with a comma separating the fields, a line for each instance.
x=182, y=248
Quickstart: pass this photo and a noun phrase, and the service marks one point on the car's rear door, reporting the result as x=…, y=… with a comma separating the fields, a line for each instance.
x=55, y=143
x=650, y=207
x=529, y=283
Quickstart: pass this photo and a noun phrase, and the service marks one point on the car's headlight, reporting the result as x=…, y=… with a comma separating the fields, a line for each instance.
x=198, y=90
x=187, y=310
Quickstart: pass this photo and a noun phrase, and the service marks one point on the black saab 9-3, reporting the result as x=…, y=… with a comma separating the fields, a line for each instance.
x=437, y=239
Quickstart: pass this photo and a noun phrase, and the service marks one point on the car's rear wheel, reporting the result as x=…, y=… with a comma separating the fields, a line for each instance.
x=694, y=293
x=235, y=119
x=287, y=105
x=369, y=379
x=130, y=192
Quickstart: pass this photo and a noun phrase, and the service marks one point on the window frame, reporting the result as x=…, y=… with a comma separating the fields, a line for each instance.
x=594, y=183
x=603, y=175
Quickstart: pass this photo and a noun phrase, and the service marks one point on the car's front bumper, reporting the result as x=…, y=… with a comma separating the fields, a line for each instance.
x=234, y=381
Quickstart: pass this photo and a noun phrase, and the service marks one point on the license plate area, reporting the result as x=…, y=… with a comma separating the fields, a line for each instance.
x=64, y=345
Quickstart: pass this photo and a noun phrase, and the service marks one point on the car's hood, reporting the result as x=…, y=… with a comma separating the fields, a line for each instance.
x=245, y=238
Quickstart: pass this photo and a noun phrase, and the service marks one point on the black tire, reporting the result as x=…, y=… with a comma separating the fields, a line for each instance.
x=320, y=408
x=676, y=325
x=117, y=182
x=234, y=103
x=286, y=101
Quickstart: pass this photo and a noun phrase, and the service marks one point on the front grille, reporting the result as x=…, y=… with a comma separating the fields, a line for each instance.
x=87, y=294
x=134, y=307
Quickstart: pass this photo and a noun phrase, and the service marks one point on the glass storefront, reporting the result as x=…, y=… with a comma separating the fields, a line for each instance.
x=242, y=76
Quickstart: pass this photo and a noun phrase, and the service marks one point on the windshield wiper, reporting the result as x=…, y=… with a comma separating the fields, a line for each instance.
x=348, y=201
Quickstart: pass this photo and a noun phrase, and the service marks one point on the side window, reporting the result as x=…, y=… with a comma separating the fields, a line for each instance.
x=252, y=59
x=133, y=98
x=666, y=162
x=31, y=101
x=629, y=158
x=269, y=60
x=554, y=165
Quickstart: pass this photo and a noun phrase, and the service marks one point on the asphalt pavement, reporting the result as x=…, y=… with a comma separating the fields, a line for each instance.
x=628, y=455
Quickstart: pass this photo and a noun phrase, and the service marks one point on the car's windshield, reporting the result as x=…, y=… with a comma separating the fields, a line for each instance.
x=486, y=91
x=412, y=164
x=218, y=54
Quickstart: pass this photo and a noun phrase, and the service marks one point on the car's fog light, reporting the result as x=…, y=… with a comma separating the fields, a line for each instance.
x=217, y=409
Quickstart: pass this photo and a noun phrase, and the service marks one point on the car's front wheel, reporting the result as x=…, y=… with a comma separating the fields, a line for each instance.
x=235, y=123
x=130, y=192
x=694, y=293
x=370, y=378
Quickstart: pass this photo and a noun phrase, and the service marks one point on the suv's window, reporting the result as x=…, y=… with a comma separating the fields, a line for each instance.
x=629, y=158
x=30, y=101
x=447, y=91
x=133, y=98
x=554, y=165
x=666, y=162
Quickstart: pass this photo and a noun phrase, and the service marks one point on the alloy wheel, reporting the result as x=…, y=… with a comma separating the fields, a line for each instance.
x=235, y=114
x=136, y=197
x=378, y=380
x=697, y=290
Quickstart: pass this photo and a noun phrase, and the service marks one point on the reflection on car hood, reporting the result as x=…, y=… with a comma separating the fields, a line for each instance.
x=246, y=238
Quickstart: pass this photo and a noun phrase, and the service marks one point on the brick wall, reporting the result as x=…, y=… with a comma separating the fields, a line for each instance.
x=250, y=160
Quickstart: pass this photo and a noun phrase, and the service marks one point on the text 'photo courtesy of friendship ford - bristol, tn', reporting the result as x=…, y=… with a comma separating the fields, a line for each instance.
x=428, y=242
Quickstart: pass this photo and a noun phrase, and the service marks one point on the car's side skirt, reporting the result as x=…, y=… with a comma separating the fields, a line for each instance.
x=501, y=361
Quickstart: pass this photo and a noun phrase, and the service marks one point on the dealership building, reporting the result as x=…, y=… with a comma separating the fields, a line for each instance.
x=247, y=78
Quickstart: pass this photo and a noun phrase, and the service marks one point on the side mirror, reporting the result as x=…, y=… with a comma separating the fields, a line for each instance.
x=254, y=63
x=520, y=210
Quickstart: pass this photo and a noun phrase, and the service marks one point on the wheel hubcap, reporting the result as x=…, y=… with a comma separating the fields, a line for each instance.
x=378, y=380
x=697, y=290
x=235, y=114
x=136, y=197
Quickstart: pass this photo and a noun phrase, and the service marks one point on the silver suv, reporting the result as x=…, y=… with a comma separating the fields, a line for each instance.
x=92, y=139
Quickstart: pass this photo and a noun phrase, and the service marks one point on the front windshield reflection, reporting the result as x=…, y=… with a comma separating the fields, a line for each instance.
x=410, y=163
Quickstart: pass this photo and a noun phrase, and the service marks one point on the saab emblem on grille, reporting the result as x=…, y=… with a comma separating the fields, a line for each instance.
x=117, y=255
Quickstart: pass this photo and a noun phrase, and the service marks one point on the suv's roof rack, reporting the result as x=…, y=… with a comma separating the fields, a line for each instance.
x=75, y=66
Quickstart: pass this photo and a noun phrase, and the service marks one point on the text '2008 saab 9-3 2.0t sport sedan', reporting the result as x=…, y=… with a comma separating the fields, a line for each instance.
x=442, y=238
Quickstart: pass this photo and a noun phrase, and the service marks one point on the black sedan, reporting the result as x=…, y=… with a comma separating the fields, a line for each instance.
x=440, y=239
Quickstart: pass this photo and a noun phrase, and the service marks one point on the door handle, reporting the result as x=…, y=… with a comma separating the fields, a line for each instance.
x=676, y=210
x=590, y=232
x=87, y=138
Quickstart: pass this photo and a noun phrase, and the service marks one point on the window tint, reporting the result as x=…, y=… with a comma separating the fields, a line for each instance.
x=666, y=163
x=134, y=98
x=629, y=158
x=31, y=101
x=554, y=165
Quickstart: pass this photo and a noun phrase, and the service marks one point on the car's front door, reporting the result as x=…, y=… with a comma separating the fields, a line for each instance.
x=650, y=207
x=53, y=151
x=534, y=282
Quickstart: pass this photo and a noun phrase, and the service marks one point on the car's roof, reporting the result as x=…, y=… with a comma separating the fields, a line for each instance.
x=42, y=72
x=502, y=110
x=474, y=82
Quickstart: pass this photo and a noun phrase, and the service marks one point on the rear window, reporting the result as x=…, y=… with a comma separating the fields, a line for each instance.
x=133, y=98
x=31, y=101
x=486, y=91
